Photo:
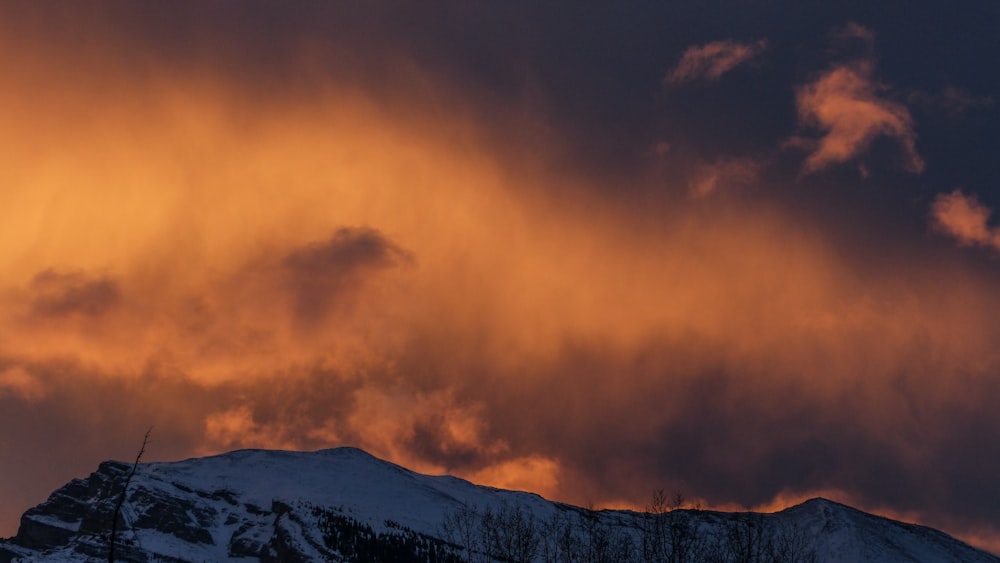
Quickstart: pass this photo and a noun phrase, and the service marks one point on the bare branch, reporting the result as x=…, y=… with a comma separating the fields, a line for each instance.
x=121, y=497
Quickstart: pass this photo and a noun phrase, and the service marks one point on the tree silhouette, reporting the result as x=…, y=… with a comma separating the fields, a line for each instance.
x=121, y=498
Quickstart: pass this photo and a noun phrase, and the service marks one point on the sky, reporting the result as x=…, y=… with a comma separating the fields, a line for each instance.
x=746, y=251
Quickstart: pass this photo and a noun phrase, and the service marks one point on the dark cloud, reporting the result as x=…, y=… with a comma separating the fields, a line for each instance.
x=743, y=436
x=956, y=101
x=326, y=275
x=853, y=39
x=84, y=417
x=711, y=60
x=578, y=325
x=55, y=294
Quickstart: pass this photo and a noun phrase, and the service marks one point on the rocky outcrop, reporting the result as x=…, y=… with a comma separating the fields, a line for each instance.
x=74, y=524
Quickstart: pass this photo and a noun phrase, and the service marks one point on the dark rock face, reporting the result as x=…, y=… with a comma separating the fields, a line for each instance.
x=75, y=524
x=78, y=515
x=181, y=517
x=77, y=518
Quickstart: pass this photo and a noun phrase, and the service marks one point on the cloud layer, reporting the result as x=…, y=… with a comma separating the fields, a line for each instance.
x=303, y=243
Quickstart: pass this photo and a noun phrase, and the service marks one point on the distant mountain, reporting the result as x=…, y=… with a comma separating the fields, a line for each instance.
x=345, y=505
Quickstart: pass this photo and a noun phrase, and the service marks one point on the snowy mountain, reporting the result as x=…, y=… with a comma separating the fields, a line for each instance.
x=345, y=505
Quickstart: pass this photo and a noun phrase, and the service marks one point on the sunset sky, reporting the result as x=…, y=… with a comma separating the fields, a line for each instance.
x=742, y=250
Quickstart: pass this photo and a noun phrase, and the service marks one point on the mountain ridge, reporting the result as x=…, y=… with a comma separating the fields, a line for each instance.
x=344, y=504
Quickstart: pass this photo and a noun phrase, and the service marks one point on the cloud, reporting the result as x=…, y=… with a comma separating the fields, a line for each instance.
x=854, y=31
x=56, y=294
x=324, y=275
x=724, y=173
x=957, y=101
x=845, y=104
x=19, y=382
x=560, y=333
x=952, y=99
x=711, y=60
x=537, y=474
x=80, y=416
x=236, y=428
x=966, y=219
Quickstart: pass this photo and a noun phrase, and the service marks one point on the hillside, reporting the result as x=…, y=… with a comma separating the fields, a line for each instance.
x=345, y=505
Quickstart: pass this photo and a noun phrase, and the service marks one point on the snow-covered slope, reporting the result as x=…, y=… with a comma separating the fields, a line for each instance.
x=345, y=505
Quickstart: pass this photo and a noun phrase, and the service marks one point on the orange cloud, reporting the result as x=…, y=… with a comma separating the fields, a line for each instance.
x=57, y=295
x=336, y=262
x=236, y=428
x=19, y=382
x=966, y=219
x=711, y=60
x=845, y=105
x=536, y=474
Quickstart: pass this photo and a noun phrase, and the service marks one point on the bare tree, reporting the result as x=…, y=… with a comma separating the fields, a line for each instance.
x=559, y=542
x=121, y=498
x=669, y=533
x=509, y=534
x=749, y=539
x=602, y=542
x=791, y=544
x=461, y=528
x=654, y=528
x=746, y=540
x=506, y=533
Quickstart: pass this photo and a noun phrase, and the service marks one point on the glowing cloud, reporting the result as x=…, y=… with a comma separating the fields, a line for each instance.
x=188, y=242
x=537, y=474
x=20, y=383
x=966, y=219
x=711, y=60
x=845, y=104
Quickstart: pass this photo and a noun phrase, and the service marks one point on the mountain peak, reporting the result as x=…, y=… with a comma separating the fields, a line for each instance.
x=341, y=504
